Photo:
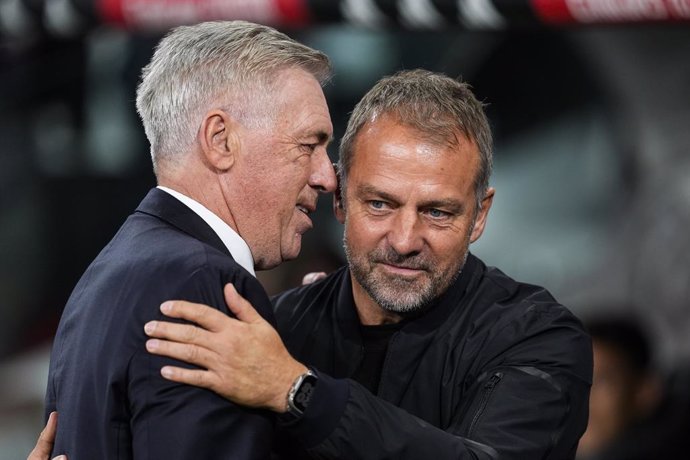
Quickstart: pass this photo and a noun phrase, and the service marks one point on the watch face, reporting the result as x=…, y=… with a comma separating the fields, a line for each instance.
x=304, y=393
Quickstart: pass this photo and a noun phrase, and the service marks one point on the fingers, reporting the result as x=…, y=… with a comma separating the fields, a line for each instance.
x=210, y=318
x=186, y=333
x=237, y=304
x=203, y=315
x=312, y=277
x=44, y=445
x=47, y=436
x=192, y=354
x=196, y=377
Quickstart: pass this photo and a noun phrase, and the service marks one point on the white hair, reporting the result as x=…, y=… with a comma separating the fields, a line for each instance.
x=221, y=62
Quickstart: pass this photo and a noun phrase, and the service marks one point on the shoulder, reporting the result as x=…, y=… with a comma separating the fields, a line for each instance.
x=144, y=238
x=507, y=300
x=167, y=262
x=316, y=297
x=523, y=322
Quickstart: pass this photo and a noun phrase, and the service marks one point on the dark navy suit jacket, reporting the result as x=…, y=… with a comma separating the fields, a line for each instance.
x=111, y=399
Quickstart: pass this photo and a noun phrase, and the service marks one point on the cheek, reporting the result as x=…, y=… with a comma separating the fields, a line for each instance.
x=363, y=234
x=448, y=248
x=280, y=197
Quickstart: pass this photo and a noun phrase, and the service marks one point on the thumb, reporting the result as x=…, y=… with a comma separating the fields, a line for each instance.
x=242, y=309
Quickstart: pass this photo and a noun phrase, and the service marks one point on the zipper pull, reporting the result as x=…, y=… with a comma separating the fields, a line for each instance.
x=495, y=378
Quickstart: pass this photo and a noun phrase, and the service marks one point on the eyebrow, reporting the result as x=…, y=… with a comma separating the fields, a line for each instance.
x=450, y=204
x=366, y=189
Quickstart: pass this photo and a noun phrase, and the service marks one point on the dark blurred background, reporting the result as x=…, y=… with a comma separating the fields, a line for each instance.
x=590, y=110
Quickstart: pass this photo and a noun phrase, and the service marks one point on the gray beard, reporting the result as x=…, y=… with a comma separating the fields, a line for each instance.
x=397, y=294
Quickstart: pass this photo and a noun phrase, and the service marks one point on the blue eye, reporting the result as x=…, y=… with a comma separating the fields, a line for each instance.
x=437, y=213
x=376, y=204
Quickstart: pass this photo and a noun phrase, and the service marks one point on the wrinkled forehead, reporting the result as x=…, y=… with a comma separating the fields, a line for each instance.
x=388, y=149
x=390, y=128
x=429, y=123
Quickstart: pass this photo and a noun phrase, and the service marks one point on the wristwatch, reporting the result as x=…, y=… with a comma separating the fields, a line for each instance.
x=300, y=393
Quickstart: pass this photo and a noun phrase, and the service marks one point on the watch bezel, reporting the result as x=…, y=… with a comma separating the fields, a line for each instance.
x=296, y=408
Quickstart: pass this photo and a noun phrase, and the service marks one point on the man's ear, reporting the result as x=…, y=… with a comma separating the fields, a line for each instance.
x=219, y=140
x=338, y=204
x=482, y=213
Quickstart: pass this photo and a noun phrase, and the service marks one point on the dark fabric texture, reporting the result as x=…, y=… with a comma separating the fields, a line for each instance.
x=375, y=341
x=112, y=401
x=494, y=369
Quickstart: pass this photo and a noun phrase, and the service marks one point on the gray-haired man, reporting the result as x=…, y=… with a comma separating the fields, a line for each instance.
x=238, y=127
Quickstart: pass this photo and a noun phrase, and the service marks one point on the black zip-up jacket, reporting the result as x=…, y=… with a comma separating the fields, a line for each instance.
x=495, y=369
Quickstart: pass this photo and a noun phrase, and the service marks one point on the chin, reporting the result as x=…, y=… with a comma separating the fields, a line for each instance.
x=293, y=252
x=266, y=265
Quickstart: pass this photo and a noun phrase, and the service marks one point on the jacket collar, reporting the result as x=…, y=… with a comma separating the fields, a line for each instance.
x=164, y=206
x=430, y=319
x=438, y=313
x=408, y=344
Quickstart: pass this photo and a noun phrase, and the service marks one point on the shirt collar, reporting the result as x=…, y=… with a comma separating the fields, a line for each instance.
x=236, y=245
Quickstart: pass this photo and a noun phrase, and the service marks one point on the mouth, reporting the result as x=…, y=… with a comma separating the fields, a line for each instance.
x=403, y=270
x=306, y=209
x=304, y=224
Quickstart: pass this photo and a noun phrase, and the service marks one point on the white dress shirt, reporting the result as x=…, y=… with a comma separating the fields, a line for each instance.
x=236, y=245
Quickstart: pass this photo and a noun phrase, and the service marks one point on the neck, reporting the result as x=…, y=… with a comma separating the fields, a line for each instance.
x=209, y=195
x=371, y=313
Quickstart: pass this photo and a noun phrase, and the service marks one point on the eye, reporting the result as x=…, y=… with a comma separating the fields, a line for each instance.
x=377, y=204
x=437, y=213
x=309, y=147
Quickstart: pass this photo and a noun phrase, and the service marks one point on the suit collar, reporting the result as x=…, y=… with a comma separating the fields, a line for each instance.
x=237, y=246
x=164, y=206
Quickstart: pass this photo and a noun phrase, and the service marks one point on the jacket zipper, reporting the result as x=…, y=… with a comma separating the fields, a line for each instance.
x=489, y=387
x=386, y=359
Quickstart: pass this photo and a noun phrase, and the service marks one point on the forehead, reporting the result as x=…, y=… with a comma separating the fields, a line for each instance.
x=299, y=102
x=391, y=154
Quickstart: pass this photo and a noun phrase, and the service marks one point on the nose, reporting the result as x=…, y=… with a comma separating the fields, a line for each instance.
x=405, y=233
x=322, y=175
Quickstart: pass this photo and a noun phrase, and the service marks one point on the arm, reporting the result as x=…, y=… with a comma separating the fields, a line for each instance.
x=514, y=409
x=241, y=359
x=337, y=407
x=508, y=414
x=529, y=399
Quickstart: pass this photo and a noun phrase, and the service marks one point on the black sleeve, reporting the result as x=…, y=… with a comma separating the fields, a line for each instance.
x=533, y=399
x=530, y=402
x=371, y=428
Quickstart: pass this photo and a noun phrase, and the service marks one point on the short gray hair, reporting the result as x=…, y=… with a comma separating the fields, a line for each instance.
x=436, y=105
x=193, y=66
